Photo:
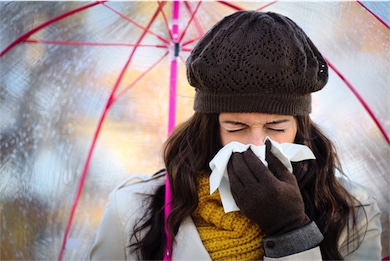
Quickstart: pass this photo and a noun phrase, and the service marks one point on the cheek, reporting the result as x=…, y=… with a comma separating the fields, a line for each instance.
x=227, y=137
x=283, y=137
x=244, y=137
x=290, y=135
x=224, y=137
x=280, y=137
x=286, y=138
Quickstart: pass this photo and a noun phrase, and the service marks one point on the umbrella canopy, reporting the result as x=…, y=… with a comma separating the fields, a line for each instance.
x=90, y=91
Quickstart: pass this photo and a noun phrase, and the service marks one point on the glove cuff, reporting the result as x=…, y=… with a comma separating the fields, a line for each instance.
x=295, y=241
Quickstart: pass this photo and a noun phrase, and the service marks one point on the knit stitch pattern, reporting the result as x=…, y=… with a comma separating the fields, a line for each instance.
x=226, y=236
x=252, y=61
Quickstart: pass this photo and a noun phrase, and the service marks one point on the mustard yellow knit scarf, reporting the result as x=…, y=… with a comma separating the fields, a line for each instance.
x=226, y=236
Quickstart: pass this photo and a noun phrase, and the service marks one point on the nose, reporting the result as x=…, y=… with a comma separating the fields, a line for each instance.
x=256, y=137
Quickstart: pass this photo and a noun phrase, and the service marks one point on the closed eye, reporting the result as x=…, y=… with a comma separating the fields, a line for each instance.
x=277, y=130
x=234, y=130
x=234, y=126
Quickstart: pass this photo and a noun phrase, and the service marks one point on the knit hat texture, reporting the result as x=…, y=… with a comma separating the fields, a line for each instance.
x=253, y=61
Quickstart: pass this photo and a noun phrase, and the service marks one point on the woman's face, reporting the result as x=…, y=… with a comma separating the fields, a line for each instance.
x=252, y=128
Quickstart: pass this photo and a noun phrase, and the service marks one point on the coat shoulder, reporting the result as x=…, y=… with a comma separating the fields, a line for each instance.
x=141, y=183
x=361, y=193
x=132, y=197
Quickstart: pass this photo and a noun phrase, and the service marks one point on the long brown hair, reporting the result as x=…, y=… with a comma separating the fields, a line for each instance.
x=192, y=146
x=326, y=201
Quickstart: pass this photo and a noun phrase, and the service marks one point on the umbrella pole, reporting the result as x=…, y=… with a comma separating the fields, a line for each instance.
x=171, y=120
x=174, y=62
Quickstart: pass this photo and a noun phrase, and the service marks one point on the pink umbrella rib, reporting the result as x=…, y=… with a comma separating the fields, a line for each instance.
x=25, y=36
x=92, y=43
x=190, y=42
x=221, y=2
x=265, y=6
x=200, y=30
x=236, y=7
x=377, y=17
x=362, y=101
x=137, y=24
x=161, y=5
x=196, y=21
x=139, y=78
x=182, y=59
x=190, y=21
x=97, y=131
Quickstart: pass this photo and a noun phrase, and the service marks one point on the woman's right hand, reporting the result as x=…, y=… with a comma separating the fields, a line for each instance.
x=269, y=196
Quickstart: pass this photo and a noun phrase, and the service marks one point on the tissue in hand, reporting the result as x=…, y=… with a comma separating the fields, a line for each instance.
x=285, y=152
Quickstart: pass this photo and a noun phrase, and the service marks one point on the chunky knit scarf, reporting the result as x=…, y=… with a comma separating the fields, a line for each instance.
x=226, y=236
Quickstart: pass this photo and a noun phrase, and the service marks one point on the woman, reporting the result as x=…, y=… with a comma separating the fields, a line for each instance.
x=253, y=73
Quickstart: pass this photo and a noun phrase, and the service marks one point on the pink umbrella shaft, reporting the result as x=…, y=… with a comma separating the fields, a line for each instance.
x=171, y=122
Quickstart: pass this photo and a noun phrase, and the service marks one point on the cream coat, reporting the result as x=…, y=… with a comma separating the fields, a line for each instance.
x=127, y=204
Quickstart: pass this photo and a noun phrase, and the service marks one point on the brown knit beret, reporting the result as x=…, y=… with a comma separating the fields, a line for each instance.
x=255, y=62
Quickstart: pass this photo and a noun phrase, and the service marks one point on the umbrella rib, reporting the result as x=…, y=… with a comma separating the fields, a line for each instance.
x=97, y=131
x=139, y=78
x=200, y=30
x=361, y=100
x=190, y=21
x=160, y=5
x=136, y=24
x=191, y=41
x=224, y=3
x=196, y=21
x=265, y=6
x=92, y=43
x=236, y=7
x=47, y=23
x=186, y=49
x=182, y=59
x=371, y=12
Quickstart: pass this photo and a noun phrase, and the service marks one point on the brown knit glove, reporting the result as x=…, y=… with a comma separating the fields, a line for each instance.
x=269, y=197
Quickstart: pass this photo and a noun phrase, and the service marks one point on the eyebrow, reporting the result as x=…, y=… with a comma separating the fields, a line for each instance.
x=234, y=122
x=277, y=122
x=267, y=123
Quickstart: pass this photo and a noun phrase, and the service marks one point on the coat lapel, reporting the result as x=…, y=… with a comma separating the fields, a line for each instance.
x=188, y=245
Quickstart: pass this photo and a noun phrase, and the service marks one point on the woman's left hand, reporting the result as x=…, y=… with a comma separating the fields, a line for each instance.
x=269, y=196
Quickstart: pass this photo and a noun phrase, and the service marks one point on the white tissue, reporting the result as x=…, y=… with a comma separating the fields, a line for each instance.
x=285, y=152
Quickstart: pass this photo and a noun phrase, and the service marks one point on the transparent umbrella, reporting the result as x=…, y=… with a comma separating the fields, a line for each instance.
x=90, y=91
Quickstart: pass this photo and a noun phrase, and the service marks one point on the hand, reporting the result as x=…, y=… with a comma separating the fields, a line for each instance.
x=269, y=197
